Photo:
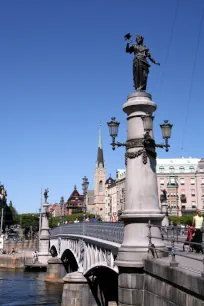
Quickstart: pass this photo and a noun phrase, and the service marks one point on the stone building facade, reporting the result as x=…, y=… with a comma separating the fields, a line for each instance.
x=181, y=178
x=115, y=195
x=56, y=210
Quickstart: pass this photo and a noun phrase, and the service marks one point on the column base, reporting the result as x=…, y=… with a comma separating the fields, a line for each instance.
x=76, y=291
x=134, y=248
x=55, y=270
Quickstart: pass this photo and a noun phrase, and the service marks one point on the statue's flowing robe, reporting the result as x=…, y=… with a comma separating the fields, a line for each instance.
x=140, y=66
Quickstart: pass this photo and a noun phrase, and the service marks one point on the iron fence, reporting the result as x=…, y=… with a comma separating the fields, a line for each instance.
x=110, y=231
x=173, y=234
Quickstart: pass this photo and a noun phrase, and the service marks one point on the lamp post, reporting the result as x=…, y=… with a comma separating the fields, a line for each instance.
x=85, y=186
x=3, y=199
x=61, y=206
x=141, y=197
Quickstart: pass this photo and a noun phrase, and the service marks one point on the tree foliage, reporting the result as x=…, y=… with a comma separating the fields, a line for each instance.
x=54, y=221
x=27, y=220
x=10, y=215
x=186, y=219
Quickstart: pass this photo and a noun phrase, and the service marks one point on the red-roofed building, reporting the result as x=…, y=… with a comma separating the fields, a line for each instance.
x=75, y=202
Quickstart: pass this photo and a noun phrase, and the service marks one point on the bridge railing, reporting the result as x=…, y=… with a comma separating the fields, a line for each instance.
x=110, y=231
x=173, y=234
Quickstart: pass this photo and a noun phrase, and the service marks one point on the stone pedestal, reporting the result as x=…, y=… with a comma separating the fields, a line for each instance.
x=44, y=254
x=165, y=221
x=141, y=204
x=55, y=270
x=76, y=291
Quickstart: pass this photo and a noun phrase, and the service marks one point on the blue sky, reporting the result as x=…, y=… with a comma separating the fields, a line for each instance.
x=63, y=69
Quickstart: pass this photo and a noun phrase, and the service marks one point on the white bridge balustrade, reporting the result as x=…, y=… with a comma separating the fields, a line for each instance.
x=92, y=245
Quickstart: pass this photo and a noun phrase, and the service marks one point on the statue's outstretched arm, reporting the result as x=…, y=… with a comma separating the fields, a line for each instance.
x=129, y=49
x=152, y=59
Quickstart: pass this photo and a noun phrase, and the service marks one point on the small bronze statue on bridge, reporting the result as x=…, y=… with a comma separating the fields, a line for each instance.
x=46, y=194
x=140, y=63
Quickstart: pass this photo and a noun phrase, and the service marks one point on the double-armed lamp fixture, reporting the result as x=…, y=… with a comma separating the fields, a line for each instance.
x=147, y=142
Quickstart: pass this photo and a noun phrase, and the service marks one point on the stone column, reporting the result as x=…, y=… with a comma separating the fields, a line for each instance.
x=44, y=254
x=55, y=270
x=76, y=291
x=141, y=204
x=164, y=209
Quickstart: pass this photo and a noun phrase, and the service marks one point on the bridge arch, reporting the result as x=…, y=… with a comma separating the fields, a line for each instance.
x=69, y=261
x=103, y=282
x=53, y=251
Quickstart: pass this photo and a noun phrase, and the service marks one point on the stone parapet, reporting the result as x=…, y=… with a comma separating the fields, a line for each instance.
x=171, y=286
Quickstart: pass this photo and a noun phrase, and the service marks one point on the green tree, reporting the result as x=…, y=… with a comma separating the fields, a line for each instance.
x=54, y=221
x=15, y=215
x=27, y=220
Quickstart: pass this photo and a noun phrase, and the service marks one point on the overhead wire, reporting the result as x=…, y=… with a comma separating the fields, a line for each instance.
x=170, y=41
x=192, y=78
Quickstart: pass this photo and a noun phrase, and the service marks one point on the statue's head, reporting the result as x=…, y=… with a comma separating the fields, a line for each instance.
x=139, y=39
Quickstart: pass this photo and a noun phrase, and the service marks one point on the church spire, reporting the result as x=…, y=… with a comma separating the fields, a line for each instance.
x=100, y=160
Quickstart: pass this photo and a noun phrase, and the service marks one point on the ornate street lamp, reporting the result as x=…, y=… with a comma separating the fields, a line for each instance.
x=166, y=133
x=85, y=186
x=61, y=206
x=147, y=142
x=113, y=130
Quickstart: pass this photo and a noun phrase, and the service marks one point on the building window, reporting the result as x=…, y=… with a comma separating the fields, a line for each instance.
x=193, y=204
x=193, y=192
x=192, y=181
x=192, y=169
x=182, y=169
x=172, y=180
x=183, y=197
x=161, y=181
x=182, y=181
x=100, y=186
x=201, y=169
x=202, y=180
x=161, y=169
x=171, y=169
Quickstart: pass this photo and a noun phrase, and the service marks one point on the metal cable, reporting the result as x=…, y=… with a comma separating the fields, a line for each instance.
x=169, y=43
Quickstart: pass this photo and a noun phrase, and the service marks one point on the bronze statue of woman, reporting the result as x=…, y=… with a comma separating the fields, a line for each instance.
x=140, y=64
